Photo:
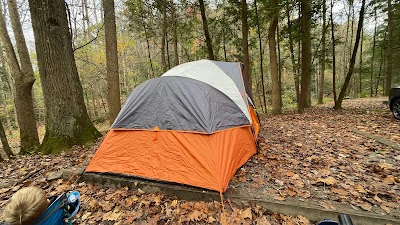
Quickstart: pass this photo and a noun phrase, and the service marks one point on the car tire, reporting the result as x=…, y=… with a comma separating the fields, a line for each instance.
x=396, y=109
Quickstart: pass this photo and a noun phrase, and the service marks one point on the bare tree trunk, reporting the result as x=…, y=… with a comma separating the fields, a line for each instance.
x=305, y=54
x=167, y=48
x=381, y=64
x=164, y=34
x=361, y=61
x=333, y=55
x=245, y=44
x=323, y=55
x=95, y=12
x=206, y=33
x=67, y=121
x=113, y=89
x=23, y=77
x=373, y=58
x=280, y=63
x=5, y=144
x=292, y=57
x=338, y=104
x=276, y=89
x=389, y=50
x=174, y=32
x=261, y=56
x=224, y=28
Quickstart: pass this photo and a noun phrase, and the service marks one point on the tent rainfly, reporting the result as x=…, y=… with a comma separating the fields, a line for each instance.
x=194, y=125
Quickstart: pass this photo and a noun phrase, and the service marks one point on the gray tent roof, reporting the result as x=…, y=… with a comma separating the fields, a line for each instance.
x=179, y=103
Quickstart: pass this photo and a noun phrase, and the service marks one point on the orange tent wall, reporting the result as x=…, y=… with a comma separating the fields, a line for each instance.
x=202, y=160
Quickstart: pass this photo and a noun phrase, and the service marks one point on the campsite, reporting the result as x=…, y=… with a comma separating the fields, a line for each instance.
x=199, y=112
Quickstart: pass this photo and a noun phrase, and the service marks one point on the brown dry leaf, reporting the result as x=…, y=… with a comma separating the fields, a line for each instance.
x=389, y=180
x=377, y=199
x=327, y=205
x=290, y=173
x=303, y=220
x=366, y=206
x=279, y=198
x=262, y=221
x=85, y=216
x=174, y=203
x=387, y=210
x=291, y=192
x=246, y=214
x=133, y=215
x=339, y=191
x=195, y=216
x=107, y=206
x=211, y=219
x=111, y=216
x=327, y=181
x=360, y=189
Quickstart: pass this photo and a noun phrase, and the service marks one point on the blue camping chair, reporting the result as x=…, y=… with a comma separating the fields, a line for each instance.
x=343, y=220
x=59, y=210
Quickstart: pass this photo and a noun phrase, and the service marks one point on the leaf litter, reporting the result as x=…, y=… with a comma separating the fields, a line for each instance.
x=308, y=157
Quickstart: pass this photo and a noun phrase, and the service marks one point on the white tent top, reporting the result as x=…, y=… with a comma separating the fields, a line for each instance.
x=223, y=76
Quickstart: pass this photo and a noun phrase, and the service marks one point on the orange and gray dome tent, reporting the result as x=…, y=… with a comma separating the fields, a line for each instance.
x=194, y=125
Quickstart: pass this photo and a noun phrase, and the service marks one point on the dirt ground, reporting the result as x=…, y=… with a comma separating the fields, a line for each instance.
x=314, y=156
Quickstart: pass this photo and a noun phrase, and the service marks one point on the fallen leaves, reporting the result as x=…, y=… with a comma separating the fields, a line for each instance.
x=316, y=156
x=327, y=181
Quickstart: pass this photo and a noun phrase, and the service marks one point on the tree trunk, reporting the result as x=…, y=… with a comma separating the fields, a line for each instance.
x=164, y=34
x=224, y=28
x=338, y=104
x=389, y=50
x=305, y=54
x=206, y=33
x=261, y=56
x=333, y=55
x=67, y=121
x=323, y=55
x=4, y=142
x=113, y=89
x=292, y=57
x=23, y=77
x=276, y=88
x=174, y=32
x=373, y=57
x=167, y=48
x=245, y=44
x=361, y=62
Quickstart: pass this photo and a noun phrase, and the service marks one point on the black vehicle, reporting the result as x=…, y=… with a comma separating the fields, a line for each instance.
x=394, y=102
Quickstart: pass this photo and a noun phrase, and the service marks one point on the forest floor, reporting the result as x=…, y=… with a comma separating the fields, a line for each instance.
x=313, y=156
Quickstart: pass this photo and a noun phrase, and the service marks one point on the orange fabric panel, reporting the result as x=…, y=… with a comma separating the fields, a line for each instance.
x=254, y=121
x=203, y=160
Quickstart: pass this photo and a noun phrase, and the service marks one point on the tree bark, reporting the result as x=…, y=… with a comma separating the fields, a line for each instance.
x=361, y=62
x=113, y=89
x=373, y=57
x=164, y=34
x=206, y=32
x=4, y=142
x=245, y=44
x=292, y=57
x=323, y=55
x=333, y=55
x=24, y=79
x=338, y=104
x=305, y=54
x=389, y=50
x=67, y=121
x=174, y=32
x=261, y=55
x=276, y=88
